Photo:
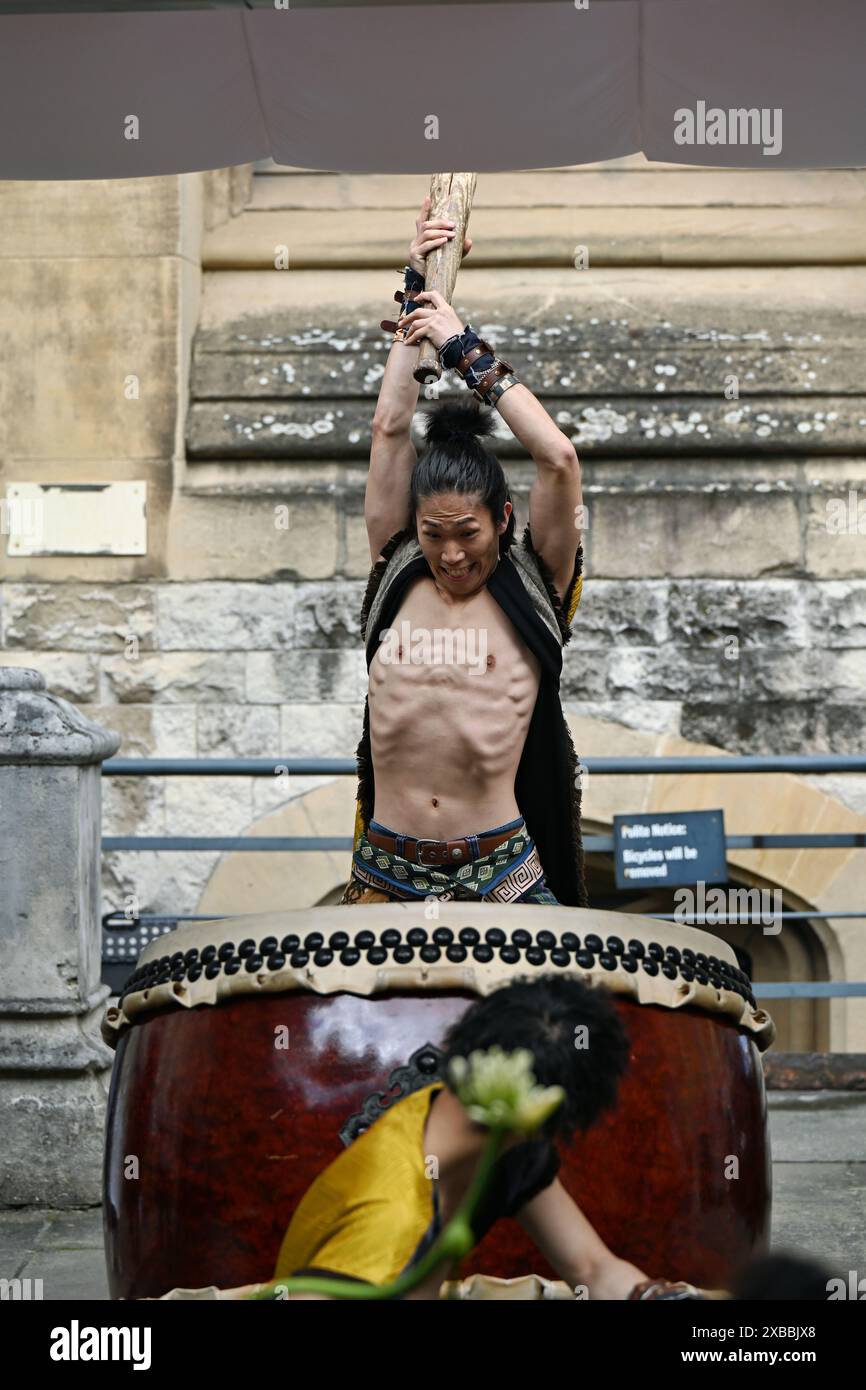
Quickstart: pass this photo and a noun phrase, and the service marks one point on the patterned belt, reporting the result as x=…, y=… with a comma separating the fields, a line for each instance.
x=441, y=852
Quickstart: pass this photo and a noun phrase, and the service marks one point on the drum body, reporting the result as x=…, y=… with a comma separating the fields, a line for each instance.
x=221, y=1114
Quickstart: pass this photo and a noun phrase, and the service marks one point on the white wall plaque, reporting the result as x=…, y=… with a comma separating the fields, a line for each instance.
x=74, y=518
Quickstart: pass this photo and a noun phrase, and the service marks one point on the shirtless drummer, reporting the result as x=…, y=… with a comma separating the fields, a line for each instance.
x=469, y=781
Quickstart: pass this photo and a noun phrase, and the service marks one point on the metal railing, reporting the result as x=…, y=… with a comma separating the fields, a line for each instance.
x=809, y=764
x=343, y=767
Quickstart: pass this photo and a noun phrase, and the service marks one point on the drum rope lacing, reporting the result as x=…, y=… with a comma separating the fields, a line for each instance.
x=563, y=950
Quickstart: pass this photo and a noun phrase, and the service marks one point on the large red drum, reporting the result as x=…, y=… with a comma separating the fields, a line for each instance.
x=250, y=1050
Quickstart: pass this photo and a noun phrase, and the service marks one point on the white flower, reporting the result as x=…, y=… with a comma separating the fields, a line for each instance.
x=498, y=1090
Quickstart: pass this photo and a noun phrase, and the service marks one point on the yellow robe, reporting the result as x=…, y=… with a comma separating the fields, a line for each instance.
x=366, y=1213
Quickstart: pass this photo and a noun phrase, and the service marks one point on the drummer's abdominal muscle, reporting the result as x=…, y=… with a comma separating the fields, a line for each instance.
x=460, y=729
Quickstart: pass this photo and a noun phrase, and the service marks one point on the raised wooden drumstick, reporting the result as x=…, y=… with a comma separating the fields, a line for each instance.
x=450, y=196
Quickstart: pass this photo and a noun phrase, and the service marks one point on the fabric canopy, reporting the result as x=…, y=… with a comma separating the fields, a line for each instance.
x=422, y=87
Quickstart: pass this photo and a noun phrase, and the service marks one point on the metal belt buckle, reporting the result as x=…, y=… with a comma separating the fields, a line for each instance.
x=419, y=854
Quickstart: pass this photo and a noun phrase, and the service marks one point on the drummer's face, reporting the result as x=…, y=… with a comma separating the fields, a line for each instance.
x=459, y=540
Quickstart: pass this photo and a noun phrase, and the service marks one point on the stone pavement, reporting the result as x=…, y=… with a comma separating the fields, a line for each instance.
x=819, y=1206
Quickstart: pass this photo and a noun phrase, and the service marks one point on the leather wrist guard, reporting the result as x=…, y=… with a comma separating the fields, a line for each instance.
x=413, y=282
x=453, y=352
x=477, y=363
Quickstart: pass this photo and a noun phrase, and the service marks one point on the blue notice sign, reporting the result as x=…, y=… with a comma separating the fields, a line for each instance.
x=669, y=848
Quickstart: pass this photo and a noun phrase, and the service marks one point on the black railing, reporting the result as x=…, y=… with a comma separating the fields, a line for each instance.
x=344, y=767
x=124, y=937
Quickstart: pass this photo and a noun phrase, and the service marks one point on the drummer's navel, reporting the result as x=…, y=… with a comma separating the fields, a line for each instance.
x=435, y=801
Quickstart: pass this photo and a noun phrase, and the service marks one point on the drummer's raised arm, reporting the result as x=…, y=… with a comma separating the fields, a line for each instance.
x=392, y=453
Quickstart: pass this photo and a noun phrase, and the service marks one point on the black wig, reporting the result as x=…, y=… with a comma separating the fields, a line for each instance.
x=544, y=1015
x=455, y=460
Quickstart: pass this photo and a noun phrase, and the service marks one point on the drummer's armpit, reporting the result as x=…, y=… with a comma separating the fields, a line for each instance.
x=555, y=1223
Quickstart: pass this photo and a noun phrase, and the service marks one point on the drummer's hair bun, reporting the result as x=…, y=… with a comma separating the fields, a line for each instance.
x=458, y=419
x=544, y=1015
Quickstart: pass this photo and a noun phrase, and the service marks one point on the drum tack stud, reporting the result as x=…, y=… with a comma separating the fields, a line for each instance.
x=684, y=966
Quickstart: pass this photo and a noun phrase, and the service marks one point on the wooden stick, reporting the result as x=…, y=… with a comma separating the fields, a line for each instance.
x=450, y=196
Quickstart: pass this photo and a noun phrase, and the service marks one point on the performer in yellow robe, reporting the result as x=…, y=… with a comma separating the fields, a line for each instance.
x=377, y=1208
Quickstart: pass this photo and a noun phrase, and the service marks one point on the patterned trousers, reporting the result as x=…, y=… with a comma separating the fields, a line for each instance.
x=510, y=873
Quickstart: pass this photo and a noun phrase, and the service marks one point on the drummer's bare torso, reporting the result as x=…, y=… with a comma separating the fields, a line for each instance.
x=452, y=690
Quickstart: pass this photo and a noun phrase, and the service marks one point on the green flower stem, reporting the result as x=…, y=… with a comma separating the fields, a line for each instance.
x=453, y=1243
